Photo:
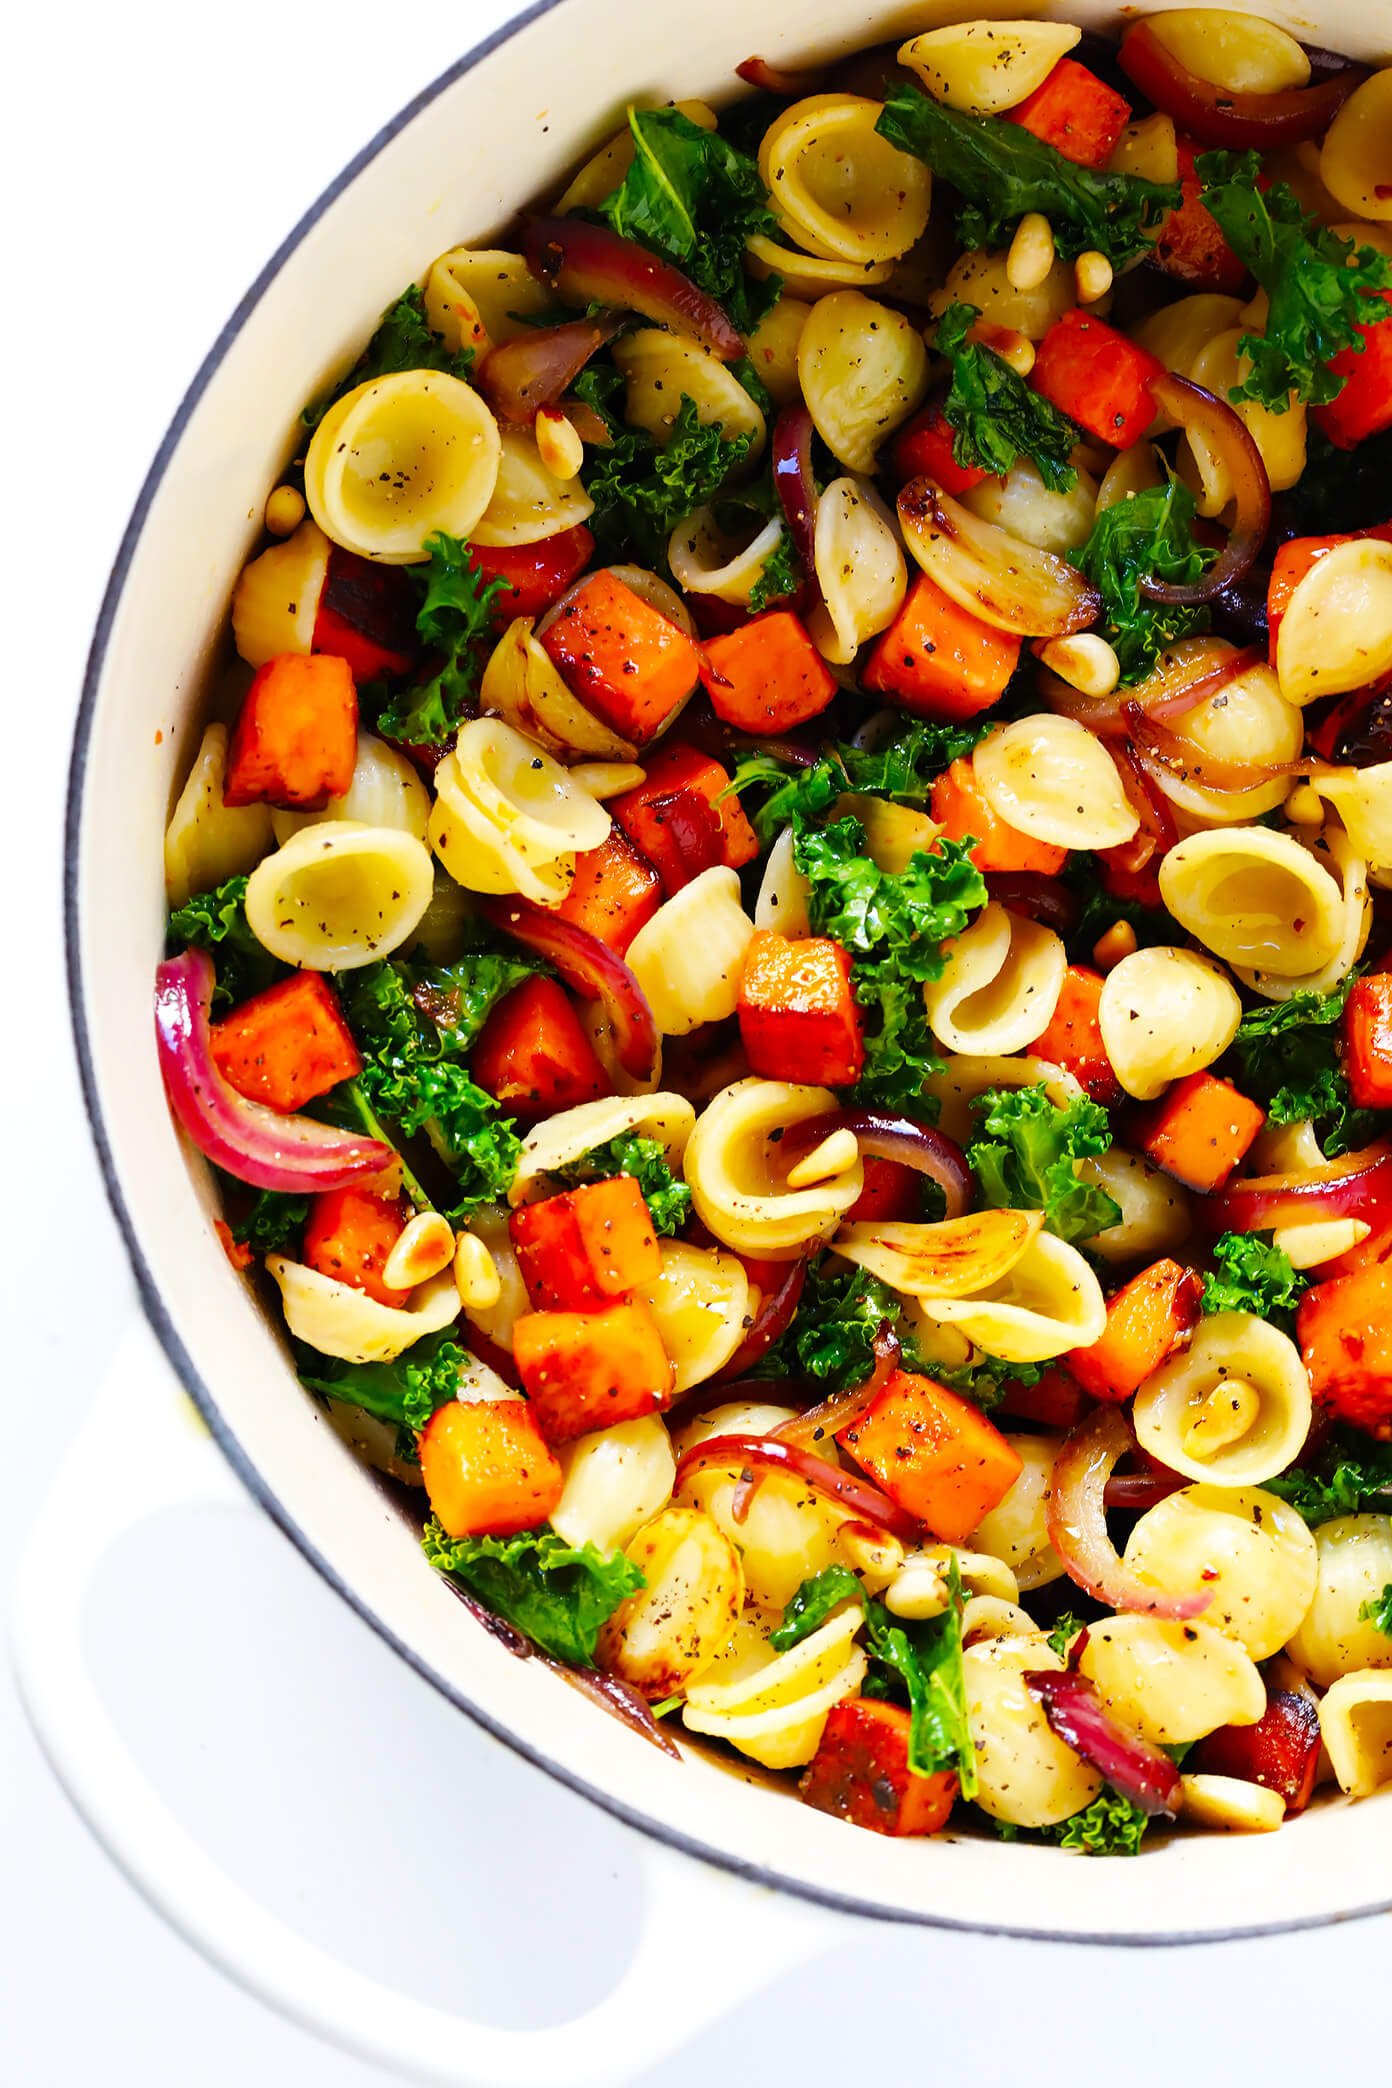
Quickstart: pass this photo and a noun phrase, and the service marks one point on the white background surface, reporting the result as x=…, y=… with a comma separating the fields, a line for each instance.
x=154, y=154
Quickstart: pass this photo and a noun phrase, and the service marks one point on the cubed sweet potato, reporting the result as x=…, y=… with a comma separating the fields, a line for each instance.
x=533, y=1055
x=797, y=1010
x=625, y=661
x=1368, y=1041
x=615, y=890
x=1147, y=1320
x=286, y=1045
x=938, y=660
x=350, y=1235
x=935, y=1454
x=1345, y=1333
x=1200, y=1130
x=959, y=806
x=861, y=1772
x=767, y=676
x=296, y=737
x=680, y=818
x=580, y=1251
x=487, y=1471
x=588, y=1370
x=1073, y=1039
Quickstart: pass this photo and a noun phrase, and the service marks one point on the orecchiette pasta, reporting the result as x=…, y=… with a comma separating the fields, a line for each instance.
x=863, y=369
x=1155, y=1212
x=773, y=1706
x=1049, y=1302
x=1147, y=147
x=984, y=67
x=782, y=900
x=1027, y=1775
x=1355, y=1566
x=1015, y=1530
x=338, y=1320
x=1171, y=1682
x=1023, y=506
x=963, y=1079
x=689, y=956
x=562, y=1139
x=999, y=986
x=1240, y=52
x=205, y=840
x=507, y=817
x=1164, y=1013
x=1356, y=1725
x=616, y=1480
x=894, y=834
x=482, y=288
x=1355, y=164
x=1178, y=332
x=701, y=1305
x=662, y=369
x=1234, y=1408
x=706, y=559
x=839, y=189
x=980, y=279
x=386, y=791
x=860, y=569
x=528, y=502
x=276, y=600
x=1363, y=800
x=523, y=686
x=1336, y=632
x=810, y=276
x=1334, y=852
x=1250, y=721
x=790, y=1532
x=339, y=895
x=1221, y=367
x=773, y=348
x=1256, y=898
x=739, y=1182
x=399, y=458
x=1232, y=1806
x=1052, y=779
x=1250, y=1551
x=673, y=1627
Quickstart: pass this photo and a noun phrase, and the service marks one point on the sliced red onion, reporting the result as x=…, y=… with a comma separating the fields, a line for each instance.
x=532, y=370
x=1216, y=115
x=922, y=1147
x=1188, y=674
x=1201, y=412
x=790, y=449
x=619, y=1698
x=786, y=81
x=591, y=427
x=821, y=1421
x=1358, y=1185
x=857, y=1496
x=1130, y=1764
x=1030, y=892
x=588, y=967
x=1077, y=1520
x=1137, y=1491
x=590, y=264
x=257, y=1145
x=774, y=1317
x=1157, y=747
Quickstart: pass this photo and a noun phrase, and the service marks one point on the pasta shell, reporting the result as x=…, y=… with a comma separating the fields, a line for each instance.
x=1356, y=1725
x=863, y=369
x=738, y=1177
x=706, y=559
x=860, y=568
x=529, y=503
x=1254, y=1556
x=1171, y=1682
x=340, y=895
x=984, y=67
x=399, y=458
x=523, y=685
x=479, y=297
x=1027, y=1775
x=1000, y=984
x=1228, y=1349
x=1336, y=633
x=275, y=603
x=661, y=369
x=1355, y=159
x=616, y=1479
x=1254, y=897
x=1052, y=779
x=207, y=842
x=701, y=1304
x=955, y=1258
x=839, y=189
x=1048, y=1302
x=337, y=1320
x=1164, y=1013
x=1238, y=52
x=562, y=1139
x=663, y=1636
x=689, y=957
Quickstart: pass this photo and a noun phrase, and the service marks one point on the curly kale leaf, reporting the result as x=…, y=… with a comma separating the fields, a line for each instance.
x=1352, y=1475
x=406, y=1390
x=455, y=618
x=995, y=416
x=560, y=1595
x=404, y=340
x=1287, y=1056
x=1146, y=536
x=1025, y=1155
x=645, y=1159
x=216, y=922
x=1250, y=1275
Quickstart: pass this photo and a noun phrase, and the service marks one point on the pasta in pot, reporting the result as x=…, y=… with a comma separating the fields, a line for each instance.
x=528, y=502
x=1028, y=1776
x=1336, y=633
x=1356, y=1724
x=1049, y=1302
x=1156, y=1217
x=790, y=1532
x=1250, y=1551
x=616, y=1480
x=1171, y=1682
x=1179, y=332
x=773, y=1706
x=1335, y=852
x=205, y=840
x=985, y=67
x=386, y=791
x=473, y=288
x=661, y=369
x=841, y=190
x=275, y=603
x=1239, y=52
x=1052, y=779
x=340, y=895
x=1000, y=984
x=1164, y=1013
x=860, y=569
x=1355, y=1566
x=689, y=956
x=1016, y=1529
x=1023, y=506
x=1249, y=720
x=662, y=1637
x=507, y=817
x=701, y=1304
x=1233, y=1409
x=863, y=369
x=1256, y=898
x=739, y=1181
x=399, y=458
x=705, y=559
x=338, y=1320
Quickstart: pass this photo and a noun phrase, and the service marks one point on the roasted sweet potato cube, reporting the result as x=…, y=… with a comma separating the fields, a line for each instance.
x=938, y=660
x=680, y=819
x=1073, y=1039
x=533, y=1055
x=588, y=1370
x=487, y=1471
x=625, y=661
x=797, y=1010
x=1345, y=1333
x=1281, y=1750
x=1200, y=1130
x=767, y=676
x=1147, y=1319
x=350, y=1235
x=1368, y=1041
x=580, y=1251
x=615, y=891
x=861, y=1772
x=933, y=1453
x=286, y=1045
x=296, y=737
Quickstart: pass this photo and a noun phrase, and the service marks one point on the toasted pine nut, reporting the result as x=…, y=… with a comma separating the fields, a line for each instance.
x=1222, y=1418
x=1305, y=806
x=917, y=1591
x=874, y=1554
x=1232, y=1804
x=605, y=779
x=1319, y=1241
x=1085, y=661
x=425, y=1247
x=558, y=444
x=1031, y=253
x=476, y=1273
x=1116, y=942
x=1092, y=276
x=836, y=1155
x=285, y=510
x=1008, y=343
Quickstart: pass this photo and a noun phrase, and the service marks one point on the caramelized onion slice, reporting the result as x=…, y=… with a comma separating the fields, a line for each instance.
x=954, y=1259
x=790, y=451
x=533, y=370
x=1076, y=1517
x=1158, y=747
x=1075, y=1712
x=1009, y=584
x=589, y=967
x=1201, y=412
x=913, y=1144
x=1357, y=1185
x=1216, y=115
x=857, y=1496
x=1184, y=676
x=590, y=264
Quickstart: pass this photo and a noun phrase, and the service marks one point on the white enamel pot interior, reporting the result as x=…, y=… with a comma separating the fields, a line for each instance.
x=501, y=128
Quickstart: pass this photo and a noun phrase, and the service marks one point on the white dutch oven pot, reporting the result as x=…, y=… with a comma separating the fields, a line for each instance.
x=503, y=125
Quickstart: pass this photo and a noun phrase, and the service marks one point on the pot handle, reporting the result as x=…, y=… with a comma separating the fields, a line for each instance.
x=143, y=1449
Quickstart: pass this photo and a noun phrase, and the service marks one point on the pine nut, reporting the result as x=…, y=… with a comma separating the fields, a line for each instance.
x=835, y=1156
x=1319, y=1241
x=1031, y=253
x=1008, y=343
x=1117, y=942
x=558, y=443
x=476, y=1274
x=605, y=779
x=1224, y=1417
x=285, y=510
x=1092, y=276
x=1305, y=806
x=425, y=1247
x=1086, y=662
x=917, y=1591
x=873, y=1554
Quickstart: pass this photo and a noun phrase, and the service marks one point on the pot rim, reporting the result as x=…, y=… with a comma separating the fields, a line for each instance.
x=151, y=1299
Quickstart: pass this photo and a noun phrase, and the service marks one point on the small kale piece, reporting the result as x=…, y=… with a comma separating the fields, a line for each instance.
x=1147, y=535
x=1110, y=1826
x=1351, y=1475
x=1250, y=1275
x=1288, y=1059
x=778, y=578
x=274, y=1222
x=406, y=1390
x=1024, y=1158
x=641, y=490
x=902, y=769
x=217, y=922
x=404, y=340
x=984, y=1378
x=1320, y=288
x=995, y=416
x=1001, y=172
x=455, y=618
x=645, y=1159
x=1065, y=1630
x=560, y=1595
x=833, y=1332
x=1377, y=1611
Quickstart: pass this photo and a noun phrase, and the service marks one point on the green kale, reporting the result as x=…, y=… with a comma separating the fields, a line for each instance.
x=1287, y=1057
x=1065, y=1630
x=1110, y=1826
x=1000, y=171
x=668, y=1200
x=1024, y=1158
x=903, y=769
x=455, y=618
x=1146, y=536
x=894, y=926
x=273, y=1223
x=918, y=1662
x=1320, y=288
x=692, y=197
x=995, y=416
x=641, y=490
x=1253, y=1276
x=406, y=1391
x=1351, y=1475
x=404, y=340
x=833, y=1332
x=778, y=578
x=1377, y=1611
x=558, y=1594
x=983, y=1378
x=217, y=922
